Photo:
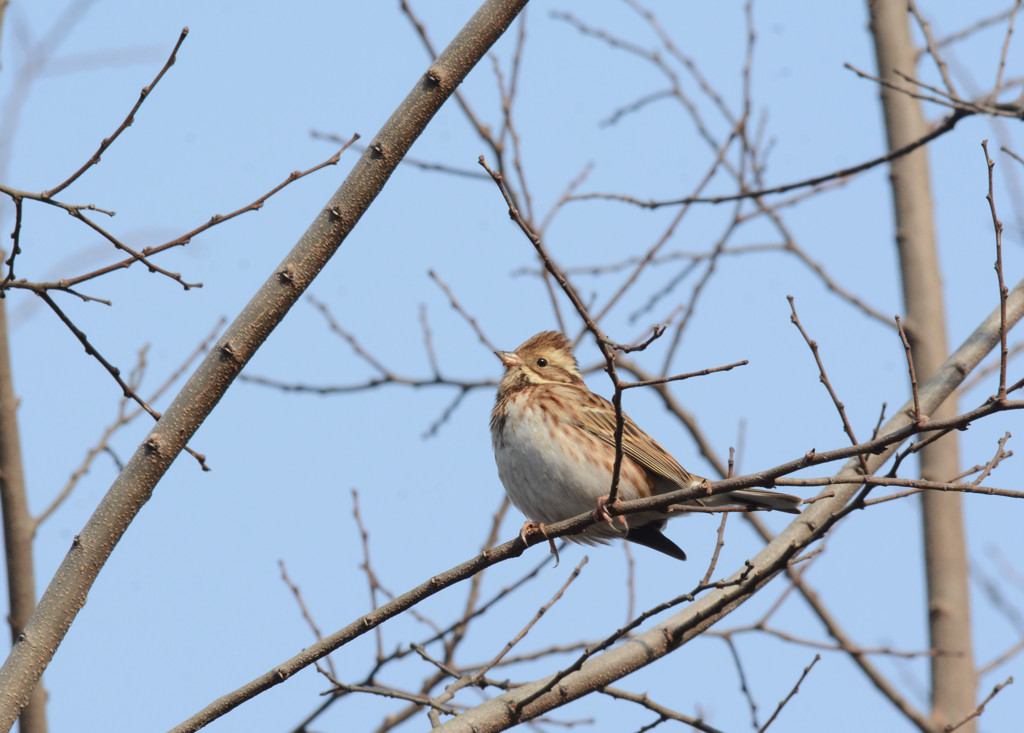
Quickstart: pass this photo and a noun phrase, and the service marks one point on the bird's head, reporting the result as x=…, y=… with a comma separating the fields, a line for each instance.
x=546, y=358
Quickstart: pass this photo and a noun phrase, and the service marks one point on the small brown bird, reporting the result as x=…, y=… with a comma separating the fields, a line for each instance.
x=554, y=443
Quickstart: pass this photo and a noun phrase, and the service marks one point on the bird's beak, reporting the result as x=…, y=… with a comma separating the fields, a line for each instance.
x=509, y=358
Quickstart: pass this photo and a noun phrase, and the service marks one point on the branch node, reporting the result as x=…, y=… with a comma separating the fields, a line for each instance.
x=228, y=353
x=152, y=445
x=286, y=275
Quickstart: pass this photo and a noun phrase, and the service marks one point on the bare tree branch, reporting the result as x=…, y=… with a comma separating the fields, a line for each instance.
x=67, y=591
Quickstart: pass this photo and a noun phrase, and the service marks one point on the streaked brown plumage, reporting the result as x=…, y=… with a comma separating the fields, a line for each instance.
x=554, y=443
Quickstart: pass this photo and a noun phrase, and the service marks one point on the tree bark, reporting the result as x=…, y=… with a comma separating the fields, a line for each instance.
x=19, y=526
x=68, y=589
x=954, y=680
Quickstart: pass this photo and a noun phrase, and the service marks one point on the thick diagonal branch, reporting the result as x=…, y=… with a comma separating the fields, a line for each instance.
x=69, y=587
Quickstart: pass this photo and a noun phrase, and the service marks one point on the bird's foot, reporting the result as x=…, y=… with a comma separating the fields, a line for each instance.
x=542, y=529
x=601, y=513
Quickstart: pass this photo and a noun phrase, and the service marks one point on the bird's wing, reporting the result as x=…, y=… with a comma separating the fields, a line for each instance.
x=597, y=417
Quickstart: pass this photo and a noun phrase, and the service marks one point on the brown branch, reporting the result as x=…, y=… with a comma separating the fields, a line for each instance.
x=478, y=675
x=719, y=544
x=986, y=468
x=470, y=608
x=921, y=484
x=981, y=707
x=688, y=375
x=112, y=370
x=836, y=631
x=453, y=301
x=940, y=97
x=508, y=128
x=997, y=226
x=107, y=142
x=407, y=160
x=124, y=418
x=933, y=49
x=371, y=577
x=979, y=374
x=944, y=126
x=1006, y=47
x=514, y=548
x=500, y=713
x=910, y=370
x=666, y=235
x=741, y=675
x=618, y=634
x=389, y=378
x=763, y=628
x=661, y=710
x=796, y=689
x=304, y=609
x=67, y=284
x=18, y=525
x=15, y=239
x=823, y=376
x=67, y=592
x=698, y=289
x=606, y=345
x=214, y=220
x=482, y=130
x=834, y=286
x=970, y=30
x=569, y=189
x=392, y=693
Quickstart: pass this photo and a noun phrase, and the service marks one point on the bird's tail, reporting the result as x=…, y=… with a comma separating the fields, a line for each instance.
x=756, y=499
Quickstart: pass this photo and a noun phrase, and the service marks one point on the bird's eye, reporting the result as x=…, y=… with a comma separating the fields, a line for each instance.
x=542, y=362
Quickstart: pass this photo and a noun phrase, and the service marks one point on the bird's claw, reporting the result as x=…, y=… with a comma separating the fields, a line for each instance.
x=601, y=513
x=541, y=528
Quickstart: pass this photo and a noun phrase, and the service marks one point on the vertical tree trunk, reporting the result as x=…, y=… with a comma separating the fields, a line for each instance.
x=19, y=527
x=954, y=680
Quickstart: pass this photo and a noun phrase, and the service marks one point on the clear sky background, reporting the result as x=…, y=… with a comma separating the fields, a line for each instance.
x=191, y=604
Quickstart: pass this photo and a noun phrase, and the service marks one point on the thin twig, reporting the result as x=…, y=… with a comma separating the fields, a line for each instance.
x=933, y=49
x=823, y=376
x=997, y=226
x=304, y=609
x=920, y=484
x=688, y=375
x=661, y=710
x=742, y=676
x=621, y=632
x=719, y=544
x=944, y=126
x=981, y=707
x=123, y=418
x=796, y=689
x=107, y=142
x=453, y=301
x=1006, y=47
x=371, y=577
x=910, y=368
x=477, y=676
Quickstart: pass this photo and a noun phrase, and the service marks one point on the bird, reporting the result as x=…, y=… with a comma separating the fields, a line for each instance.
x=554, y=445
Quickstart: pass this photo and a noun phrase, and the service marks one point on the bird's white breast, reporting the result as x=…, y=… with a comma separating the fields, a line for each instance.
x=553, y=470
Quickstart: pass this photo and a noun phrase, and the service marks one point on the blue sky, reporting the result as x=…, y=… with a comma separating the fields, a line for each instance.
x=191, y=604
